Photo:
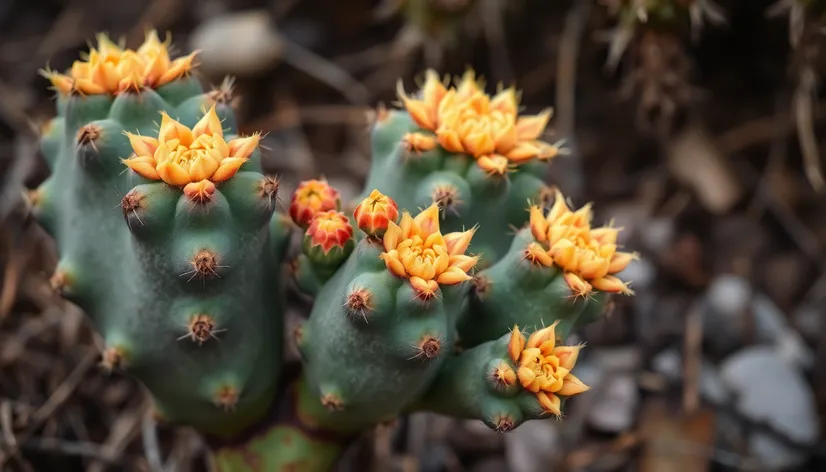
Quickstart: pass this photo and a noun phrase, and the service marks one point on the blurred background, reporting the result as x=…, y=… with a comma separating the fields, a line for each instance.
x=694, y=125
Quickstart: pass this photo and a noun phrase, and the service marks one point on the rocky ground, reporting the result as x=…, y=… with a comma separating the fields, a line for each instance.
x=706, y=152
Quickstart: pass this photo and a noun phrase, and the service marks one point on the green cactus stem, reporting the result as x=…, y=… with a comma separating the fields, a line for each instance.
x=291, y=437
x=382, y=325
x=181, y=281
x=507, y=381
x=478, y=160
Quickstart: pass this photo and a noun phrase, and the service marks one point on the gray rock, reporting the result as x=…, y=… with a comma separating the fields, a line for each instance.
x=735, y=314
x=773, y=326
x=242, y=44
x=631, y=217
x=770, y=388
x=729, y=295
x=614, y=409
x=532, y=446
x=617, y=359
x=659, y=234
x=670, y=364
x=641, y=273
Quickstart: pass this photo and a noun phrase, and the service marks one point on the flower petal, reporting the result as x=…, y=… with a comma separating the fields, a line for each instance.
x=173, y=174
x=406, y=225
x=428, y=221
x=227, y=169
x=550, y=403
x=540, y=336
x=143, y=166
x=529, y=128
x=452, y=276
x=394, y=265
x=142, y=145
x=516, y=344
x=392, y=236
x=171, y=129
x=458, y=242
x=611, y=284
x=464, y=263
x=567, y=355
x=209, y=125
x=620, y=261
x=572, y=386
x=202, y=168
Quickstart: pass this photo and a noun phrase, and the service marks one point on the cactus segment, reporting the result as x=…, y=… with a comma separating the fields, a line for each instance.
x=558, y=269
x=470, y=153
x=180, y=276
x=507, y=381
x=292, y=437
x=387, y=313
x=517, y=290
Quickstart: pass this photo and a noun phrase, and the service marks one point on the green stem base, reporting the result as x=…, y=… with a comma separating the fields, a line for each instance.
x=288, y=439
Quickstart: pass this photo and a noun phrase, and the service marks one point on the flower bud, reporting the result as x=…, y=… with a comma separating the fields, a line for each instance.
x=375, y=213
x=312, y=197
x=329, y=239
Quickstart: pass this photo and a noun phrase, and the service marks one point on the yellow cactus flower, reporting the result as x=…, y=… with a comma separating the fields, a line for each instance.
x=588, y=256
x=110, y=69
x=415, y=249
x=466, y=120
x=543, y=368
x=184, y=157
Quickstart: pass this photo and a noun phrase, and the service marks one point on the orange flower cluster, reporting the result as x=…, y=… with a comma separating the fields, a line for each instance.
x=464, y=119
x=544, y=368
x=415, y=249
x=588, y=257
x=181, y=156
x=112, y=69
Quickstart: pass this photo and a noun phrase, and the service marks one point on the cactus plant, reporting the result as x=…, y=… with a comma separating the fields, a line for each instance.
x=185, y=285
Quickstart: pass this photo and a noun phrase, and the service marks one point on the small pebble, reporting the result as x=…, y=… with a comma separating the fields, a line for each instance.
x=615, y=408
x=241, y=44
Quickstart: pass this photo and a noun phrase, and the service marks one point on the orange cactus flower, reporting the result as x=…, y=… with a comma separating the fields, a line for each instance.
x=329, y=229
x=181, y=156
x=311, y=197
x=588, y=256
x=415, y=249
x=543, y=368
x=374, y=213
x=466, y=120
x=110, y=69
